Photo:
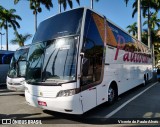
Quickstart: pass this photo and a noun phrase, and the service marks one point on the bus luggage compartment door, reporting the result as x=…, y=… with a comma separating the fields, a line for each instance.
x=88, y=98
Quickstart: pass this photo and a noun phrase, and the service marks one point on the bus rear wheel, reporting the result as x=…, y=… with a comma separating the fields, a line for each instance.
x=112, y=95
x=145, y=80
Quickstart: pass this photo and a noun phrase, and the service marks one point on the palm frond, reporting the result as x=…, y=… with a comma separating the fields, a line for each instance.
x=16, y=1
x=70, y=3
x=78, y=2
x=126, y=1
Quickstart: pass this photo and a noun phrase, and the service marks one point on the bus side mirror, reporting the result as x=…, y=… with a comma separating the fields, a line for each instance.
x=82, y=54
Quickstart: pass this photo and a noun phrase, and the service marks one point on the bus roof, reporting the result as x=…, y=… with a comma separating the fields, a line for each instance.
x=23, y=47
x=116, y=25
x=6, y=52
x=86, y=8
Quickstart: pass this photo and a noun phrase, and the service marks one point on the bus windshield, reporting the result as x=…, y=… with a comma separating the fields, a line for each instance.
x=53, y=61
x=18, y=64
x=64, y=24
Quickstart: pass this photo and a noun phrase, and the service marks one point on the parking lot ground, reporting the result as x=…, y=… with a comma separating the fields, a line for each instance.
x=146, y=105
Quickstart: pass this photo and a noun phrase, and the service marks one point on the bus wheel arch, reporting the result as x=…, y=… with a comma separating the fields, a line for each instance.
x=112, y=92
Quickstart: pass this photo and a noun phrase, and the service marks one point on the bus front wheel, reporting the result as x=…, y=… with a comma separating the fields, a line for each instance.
x=112, y=94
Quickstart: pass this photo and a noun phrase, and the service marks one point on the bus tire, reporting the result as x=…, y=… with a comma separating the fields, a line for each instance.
x=112, y=94
x=145, y=80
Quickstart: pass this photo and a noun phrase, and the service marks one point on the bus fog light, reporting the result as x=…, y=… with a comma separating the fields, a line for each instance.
x=63, y=93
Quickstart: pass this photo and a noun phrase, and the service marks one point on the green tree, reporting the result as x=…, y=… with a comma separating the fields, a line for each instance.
x=133, y=29
x=8, y=19
x=35, y=6
x=20, y=39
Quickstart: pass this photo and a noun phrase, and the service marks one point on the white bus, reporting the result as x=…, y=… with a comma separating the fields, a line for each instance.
x=17, y=69
x=78, y=60
x=5, y=58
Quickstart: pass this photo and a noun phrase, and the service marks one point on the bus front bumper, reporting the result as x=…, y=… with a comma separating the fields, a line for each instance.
x=69, y=105
x=16, y=87
x=15, y=84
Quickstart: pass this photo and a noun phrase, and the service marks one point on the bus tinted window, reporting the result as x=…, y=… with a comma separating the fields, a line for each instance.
x=93, y=49
x=5, y=58
x=120, y=36
x=67, y=23
x=17, y=65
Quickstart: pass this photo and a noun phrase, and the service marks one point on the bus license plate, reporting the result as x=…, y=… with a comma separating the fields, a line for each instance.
x=42, y=103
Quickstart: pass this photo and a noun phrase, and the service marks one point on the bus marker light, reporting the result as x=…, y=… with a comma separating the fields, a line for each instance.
x=42, y=103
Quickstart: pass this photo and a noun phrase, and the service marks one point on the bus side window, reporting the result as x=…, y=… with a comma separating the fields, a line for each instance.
x=7, y=58
x=91, y=63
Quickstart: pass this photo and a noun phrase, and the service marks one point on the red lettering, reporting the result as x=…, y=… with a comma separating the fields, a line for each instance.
x=126, y=57
x=121, y=41
x=135, y=57
x=132, y=57
x=117, y=51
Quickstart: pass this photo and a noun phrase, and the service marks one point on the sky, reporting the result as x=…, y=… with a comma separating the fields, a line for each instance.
x=114, y=10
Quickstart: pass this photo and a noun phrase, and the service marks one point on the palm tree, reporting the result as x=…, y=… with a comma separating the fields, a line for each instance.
x=35, y=6
x=154, y=21
x=64, y=3
x=155, y=38
x=133, y=29
x=20, y=39
x=146, y=6
x=156, y=48
x=8, y=19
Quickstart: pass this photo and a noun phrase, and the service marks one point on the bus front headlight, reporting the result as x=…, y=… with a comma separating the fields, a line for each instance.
x=26, y=90
x=64, y=93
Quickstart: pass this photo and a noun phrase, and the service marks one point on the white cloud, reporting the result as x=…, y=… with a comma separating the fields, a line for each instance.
x=10, y=47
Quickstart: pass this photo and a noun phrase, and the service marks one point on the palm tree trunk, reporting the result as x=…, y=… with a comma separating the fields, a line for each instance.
x=91, y=4
x=35, y=16
x=153, y=56
x=139, y=20
x=6, y=36
x=60, y=7
x=149, y=27
x=149, y=36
